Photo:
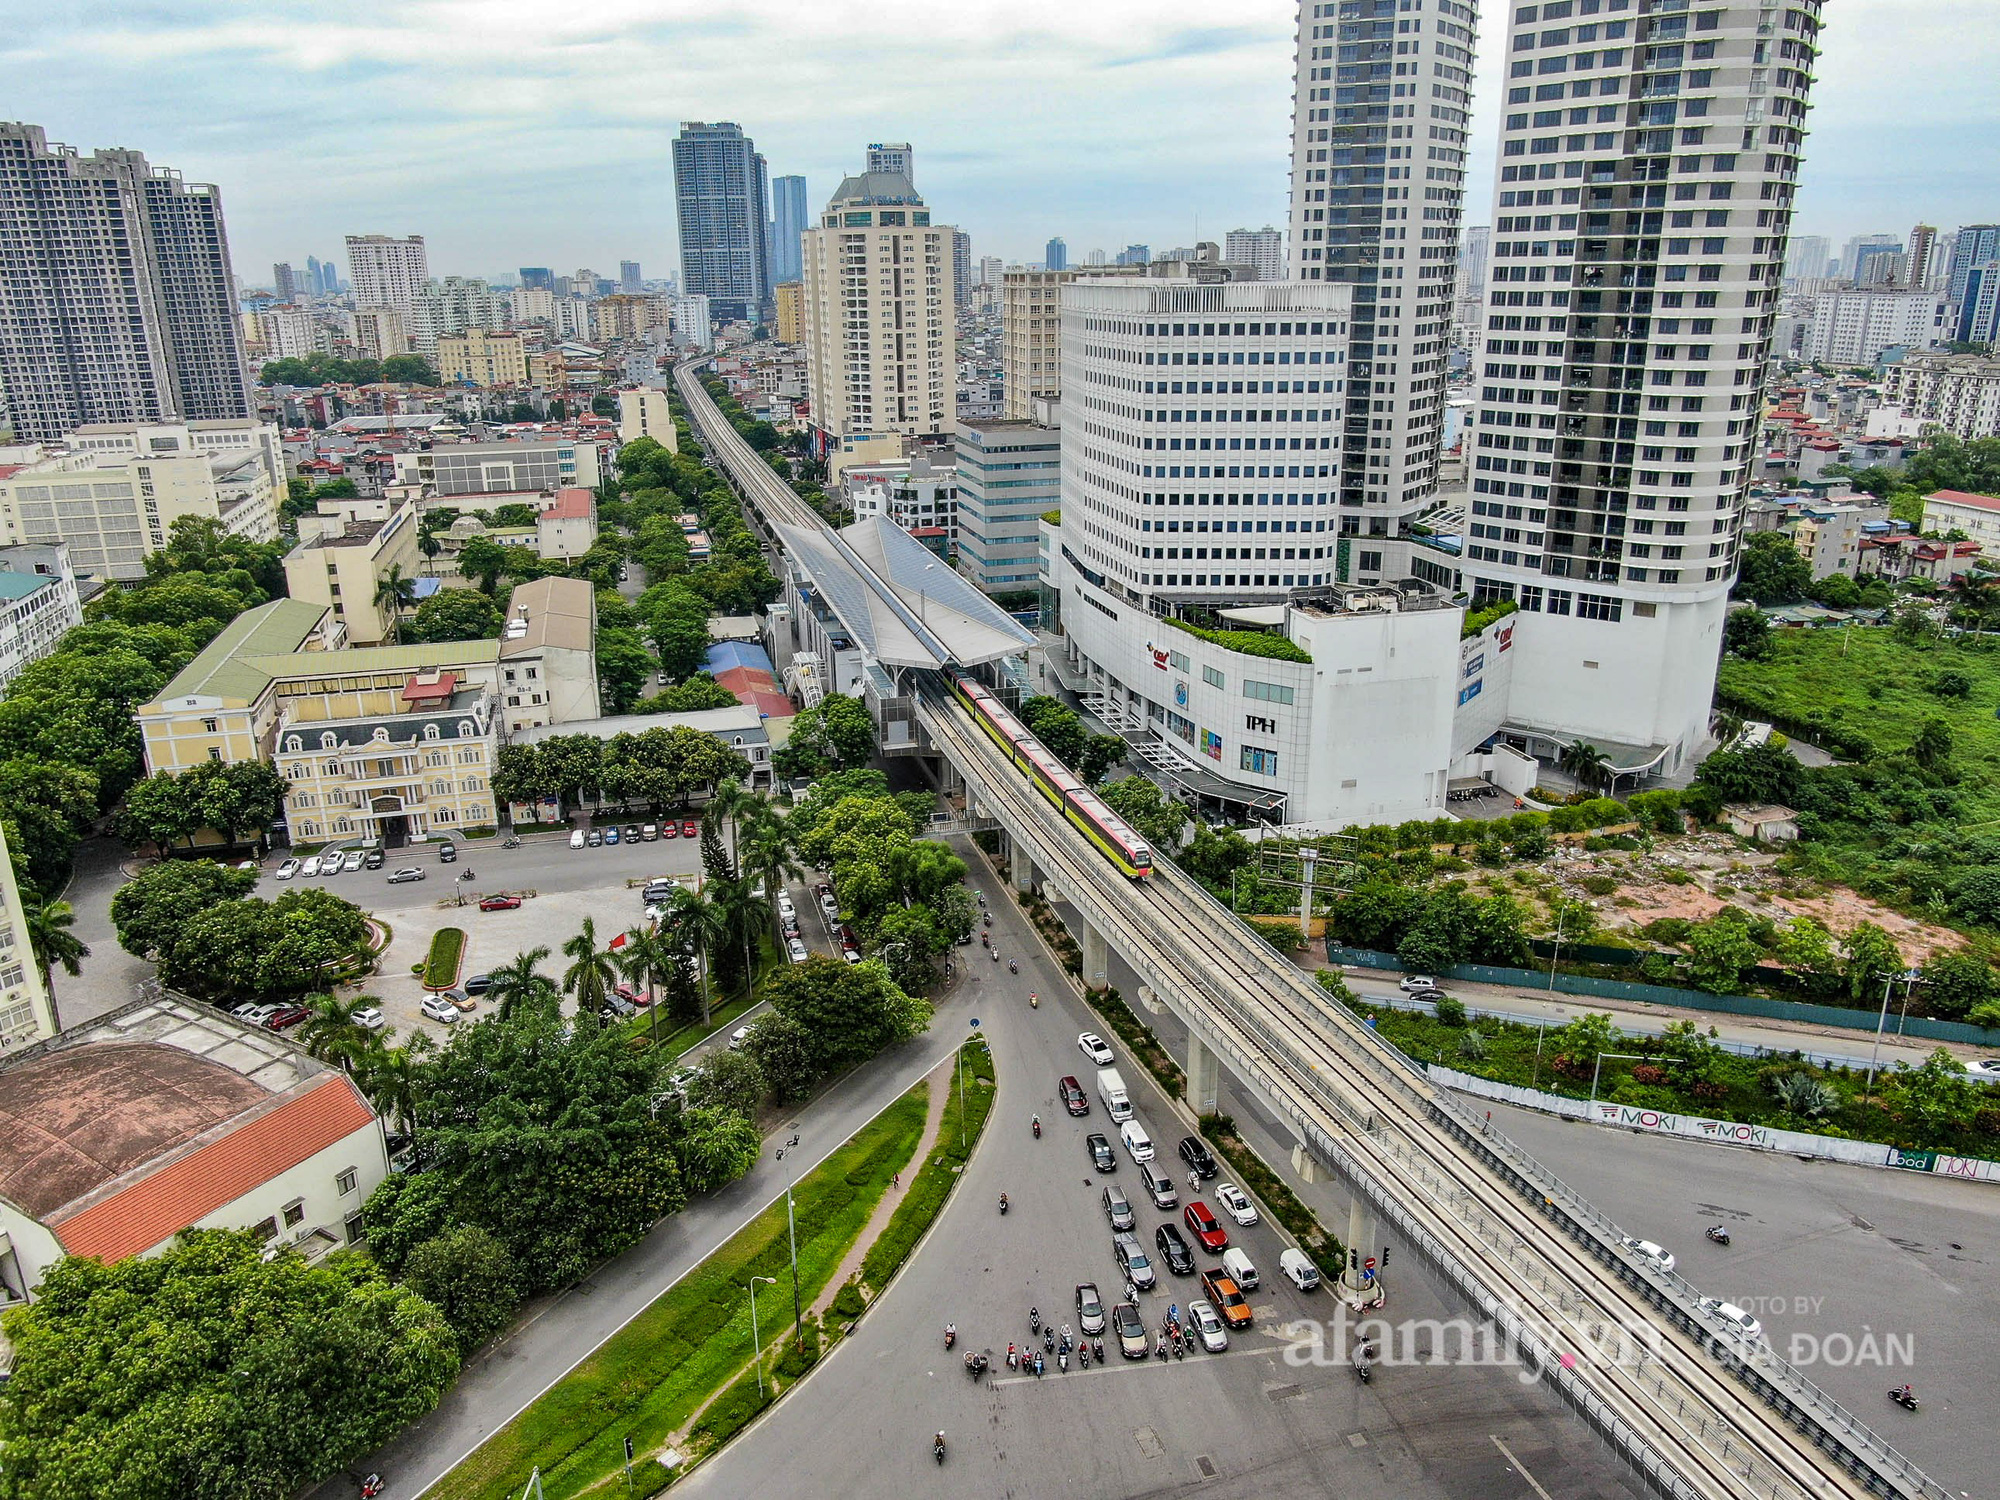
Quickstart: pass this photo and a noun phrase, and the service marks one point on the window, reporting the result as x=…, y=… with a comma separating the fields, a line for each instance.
x=345, y=1182
x=354, y=1229
x=1179, y=660
x=265, y=1231
x=295, y=1211
x=211, y=726
x=1212, y=677
x=1260, y=762
x=1267, y=692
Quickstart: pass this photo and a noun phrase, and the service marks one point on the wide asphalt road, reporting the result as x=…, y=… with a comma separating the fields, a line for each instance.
x=1250, y=1422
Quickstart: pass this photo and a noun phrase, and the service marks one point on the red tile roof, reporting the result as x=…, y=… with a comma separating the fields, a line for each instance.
x=1960, y=497
x=438, y=689
x=189, y=1188
x=569, y=505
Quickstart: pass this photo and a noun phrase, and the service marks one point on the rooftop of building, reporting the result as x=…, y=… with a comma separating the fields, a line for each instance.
x=21, y=585
x=743, y=719
x=1963, y=497
x=890, y=188
x=570, y=505
x=84, y=1113
x=220, y=670
x=353, y=534
x=559, y=612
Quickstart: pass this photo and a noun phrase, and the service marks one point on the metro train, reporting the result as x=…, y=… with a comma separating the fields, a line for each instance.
x=1113, y=837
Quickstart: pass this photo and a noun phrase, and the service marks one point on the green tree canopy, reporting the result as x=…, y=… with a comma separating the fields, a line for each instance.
x=149, y=910
x=456, y=615
x=1771, y=570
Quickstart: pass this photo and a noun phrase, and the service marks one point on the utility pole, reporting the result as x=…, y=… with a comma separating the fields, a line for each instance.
x=792, y=1237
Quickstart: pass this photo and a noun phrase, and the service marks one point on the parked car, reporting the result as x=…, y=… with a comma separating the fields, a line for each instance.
x=286, y=870
x=1174, y=1250
x=594, y=838
x=1411, y=983
x=407, y=873
x=610, y=836
x=786, y=911
x=1101, y=1156
x=459, y=999
x=308, y=867
x=1207, y=1326
x=650, y=833
x=1074, y=1099
x=1202, y=1221
x=439, y=1009
x=1132, y=1261
x=1236, y=1203
x=657, y=890
x=576, y=839
x=1117, y=1208
x=373, y=859
x=329, y=865
x=500, y=903
x=351, y=863
x=1089, y=1310
x=1131, y=1331
x=795, y=949
x=254, y=1014
x=619, y=1006
x=447, y=853
x=477, y=984
x=1091, y=1045
x=1985, y=1069
x=286, y=1016
x=670, y=830
x=1227, y=1297
x=1195, y=1153
x=690, y=829
x=631, y=833
x=738, y=1037
x=1645, y=1250
x=371, y=1017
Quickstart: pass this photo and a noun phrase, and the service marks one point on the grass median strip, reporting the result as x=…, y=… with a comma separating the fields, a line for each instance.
x=447, y=949
x=650, y=1377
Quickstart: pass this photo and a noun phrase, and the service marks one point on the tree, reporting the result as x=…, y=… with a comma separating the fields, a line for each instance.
x=51, y=942
x=48, y=807
x=209, y=1370
x=1771, y=571
x=714, y=1147
x=699, y=928
x=150, y=909
x=1585, y=762
x=251, y=949
x=591, y=973
x=1583, y=1039
x=1100, y=753
x=466, y=1274
x=482, y=559
x=409, y=369
x=764, y=849
x=727, y=1080
x=1746, y=632
x=1955, y=984
x=518, y=987
x=698, y=692
x=647, y=959
x=333, y=1034
x=395, y=591
x=1872, y=959
x=1806, y=948
x=1156, y=817
x=1720, y=951
x=1692, y=1053
x=848, y=1012
x=1933, y=745
x=1057, y=726
x=623, y=667
x=785, y=1055
x=456, y=615
x=1937, y=1095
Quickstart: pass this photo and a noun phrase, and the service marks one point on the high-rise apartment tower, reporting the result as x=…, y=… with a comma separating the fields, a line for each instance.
x=789, y=220
x=899, y=157
x=117, y=302
x=388, y=271
x=721, y=195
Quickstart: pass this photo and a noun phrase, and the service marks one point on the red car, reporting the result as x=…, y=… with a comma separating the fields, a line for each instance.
x=670, y=829
x=1202, y=1224
x=500, y=903
x=690, y=829
x=1073, y=1097
x=290, y=1016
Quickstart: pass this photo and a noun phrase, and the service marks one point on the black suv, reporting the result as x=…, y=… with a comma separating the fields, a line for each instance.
x=1100, y=1153
x=447, y=853
x=1174, y=1250
x=1196, y=1155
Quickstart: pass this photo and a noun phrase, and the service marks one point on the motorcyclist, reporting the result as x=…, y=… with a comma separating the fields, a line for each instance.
x=1003, y=1203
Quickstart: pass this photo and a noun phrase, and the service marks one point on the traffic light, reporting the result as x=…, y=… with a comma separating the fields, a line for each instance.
x=1385, y=1257
x=1353, y=1258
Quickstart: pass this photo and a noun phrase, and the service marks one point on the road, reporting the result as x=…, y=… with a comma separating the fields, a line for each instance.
x=1248, y=1423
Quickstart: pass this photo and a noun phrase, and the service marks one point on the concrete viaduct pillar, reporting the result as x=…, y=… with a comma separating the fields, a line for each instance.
x=1096, y=958
x=1022, y=867
x=1204, y=1076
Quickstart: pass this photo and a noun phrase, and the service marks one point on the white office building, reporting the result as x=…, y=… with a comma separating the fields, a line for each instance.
x=1009, y=474
x=1637, y=252
x=1379, y=114
x=38, y=603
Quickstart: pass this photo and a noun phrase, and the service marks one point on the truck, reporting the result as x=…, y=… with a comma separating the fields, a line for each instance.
x=1111, y=1089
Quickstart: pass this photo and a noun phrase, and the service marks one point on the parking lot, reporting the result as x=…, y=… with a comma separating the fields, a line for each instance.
x=559, y=887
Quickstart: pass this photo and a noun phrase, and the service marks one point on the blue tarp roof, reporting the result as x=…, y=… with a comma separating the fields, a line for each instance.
x=725, y=656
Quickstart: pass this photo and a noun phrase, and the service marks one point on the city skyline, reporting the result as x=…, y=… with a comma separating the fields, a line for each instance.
x=1031, y=74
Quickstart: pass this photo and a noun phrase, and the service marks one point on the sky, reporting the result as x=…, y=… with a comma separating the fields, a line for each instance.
x=516, y=132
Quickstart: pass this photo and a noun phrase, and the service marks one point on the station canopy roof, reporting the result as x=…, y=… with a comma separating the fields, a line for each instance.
x=904, y=606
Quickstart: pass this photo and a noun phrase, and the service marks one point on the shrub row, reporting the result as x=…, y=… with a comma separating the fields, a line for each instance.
x=441, y=967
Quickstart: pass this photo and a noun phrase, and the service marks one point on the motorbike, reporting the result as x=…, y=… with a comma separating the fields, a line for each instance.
x=510, y=843
x=466, y=876
x=1038, y=1367
x=985, y=941
x=1013, y=1358
x=1717, y=1233
x=1034, y=1321
x=950, y=1335
x=1083, y=1355
x=1097, y=1351
x=1003, y=1203
x=989, y=919
x=1037, y=1124
x=1904, y=1397
x=1048, y=1340
x=975, y=1365
x=1034, y=1001
x=937, y=1448
x=1160, y=1351
x=371, y=1487
x=1361, y=1371
x=1180, y=1348
x=1013, y=967
x=1062, y=1359
x=996, y=954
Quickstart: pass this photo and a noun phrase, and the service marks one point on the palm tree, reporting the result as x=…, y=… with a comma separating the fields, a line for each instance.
x=767, y=853
x=390, y=1078
x=52, y=943
x=697, y=925
x=740, y=911
x=395, y=592
x=731, y=803
x=1585, y=762
x=520, y=985
x=593, y=972
x=644, y=959
x=332, y=1034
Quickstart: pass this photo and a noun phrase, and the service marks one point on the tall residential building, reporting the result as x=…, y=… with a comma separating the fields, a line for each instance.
x=284, y=284
x=1009, y=474
x=991, y=269
x=387, y=270
x=1055, y=255
x=1808, y=257
x=1263, y=249
x=720, y=195
x=1978, y=315
x=452, y=306
x=629, y=281
x=117, y=302
x=1135, y=255
x=1922, y=256
x=961, y=269
x=1973, y=246
x=1469, y=284
x=1031, y=334
x=693, y=319
x=1852, y=257
x=1854, y=327
x=537, y=279
x=380, y=332
x=1878, y=263
x=790, y=297
x=1958, y=392
x=322, y=276
x=880, y=333
x=1366, y=214
x=38, y=605
x=476, y=356
x=1637, y=251
x=789, y=219
x=898, y=157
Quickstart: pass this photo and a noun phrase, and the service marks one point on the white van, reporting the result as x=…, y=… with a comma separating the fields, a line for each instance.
x=1299, y=1269
x=1137, y=1142
x=1239, y=1270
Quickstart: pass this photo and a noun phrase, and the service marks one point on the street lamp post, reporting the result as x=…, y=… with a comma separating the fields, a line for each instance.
x=756, y=1343
x=1556, y=952
x=1909, y=978
x=1596, y=1066
x=792, y=1237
